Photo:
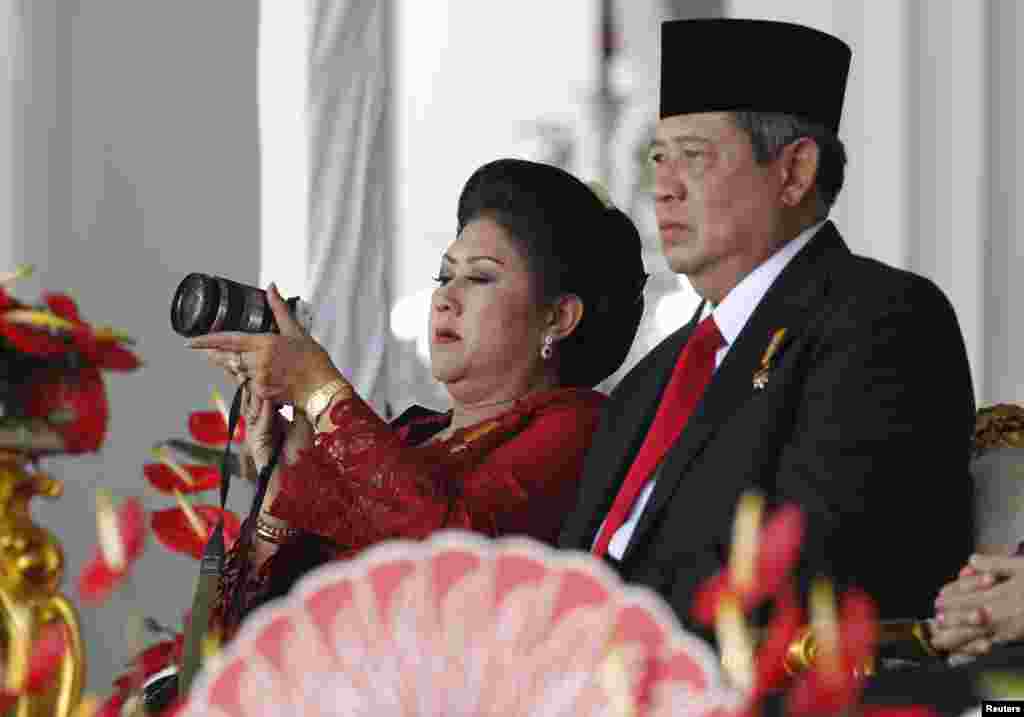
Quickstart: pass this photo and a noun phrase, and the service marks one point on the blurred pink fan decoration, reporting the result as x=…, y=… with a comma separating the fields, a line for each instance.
x=463, y=625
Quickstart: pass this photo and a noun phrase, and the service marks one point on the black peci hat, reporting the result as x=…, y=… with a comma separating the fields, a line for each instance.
x=732, y=65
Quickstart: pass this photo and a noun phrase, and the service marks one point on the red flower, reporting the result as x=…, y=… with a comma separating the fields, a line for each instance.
x=148, y=662
x=72, y=402
x=777, y=551
x=844, y=650
x=100, y=348
x=112, y=707
x=177, y=531
x=161, y=655
x=770, y=659
x=28, y=337
x=211, y=428
x=167, y=480
x=122, y=537
x=60, y=331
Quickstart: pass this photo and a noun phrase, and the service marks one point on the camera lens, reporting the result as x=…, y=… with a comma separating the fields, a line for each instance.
x=194, y=306
x=203, y=304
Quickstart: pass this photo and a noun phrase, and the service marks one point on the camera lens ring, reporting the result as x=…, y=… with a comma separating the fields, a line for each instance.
x=222, y=305
x=255, y=312
x=191, y=307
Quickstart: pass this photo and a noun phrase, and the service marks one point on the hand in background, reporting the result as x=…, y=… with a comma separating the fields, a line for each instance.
x=983, y=607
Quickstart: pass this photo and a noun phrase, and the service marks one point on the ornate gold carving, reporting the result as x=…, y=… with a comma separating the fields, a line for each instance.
x=803, y=650
x=31, y=568
x=800, y=654
x=999, y=426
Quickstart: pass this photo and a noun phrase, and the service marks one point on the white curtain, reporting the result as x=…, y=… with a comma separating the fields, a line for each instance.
x=350, y=227
x=327, y=149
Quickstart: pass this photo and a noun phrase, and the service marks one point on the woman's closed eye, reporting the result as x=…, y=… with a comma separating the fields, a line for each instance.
x=443, y=279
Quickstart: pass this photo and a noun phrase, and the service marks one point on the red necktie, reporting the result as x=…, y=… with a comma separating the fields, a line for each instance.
x=686, y=386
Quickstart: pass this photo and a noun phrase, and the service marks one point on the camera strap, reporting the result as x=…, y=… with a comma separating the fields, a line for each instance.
x=212, y=564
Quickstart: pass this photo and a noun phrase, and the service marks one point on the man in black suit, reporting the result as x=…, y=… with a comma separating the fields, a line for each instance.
x=861, y=411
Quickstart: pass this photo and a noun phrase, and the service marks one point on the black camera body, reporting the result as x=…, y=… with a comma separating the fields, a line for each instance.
x=205, y=304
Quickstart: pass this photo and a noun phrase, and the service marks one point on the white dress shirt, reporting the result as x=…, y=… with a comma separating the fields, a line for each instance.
x=730, y=316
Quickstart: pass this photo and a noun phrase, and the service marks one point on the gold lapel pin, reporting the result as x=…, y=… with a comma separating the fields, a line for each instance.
x=761, y=375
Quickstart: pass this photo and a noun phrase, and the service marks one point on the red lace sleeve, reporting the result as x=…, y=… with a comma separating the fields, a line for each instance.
x=517, y=473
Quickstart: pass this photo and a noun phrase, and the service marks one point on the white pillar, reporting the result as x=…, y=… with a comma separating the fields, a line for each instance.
x=1003, y=290
x=11, y=69
x=949, y=164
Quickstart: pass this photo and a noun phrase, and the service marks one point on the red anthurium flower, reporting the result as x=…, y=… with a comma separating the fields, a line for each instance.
x=112, y=707
x=211, y=428
x=27, y=337
x=777, y=551
x=158, y=656
x=63, y=306
x=835, y=681
x=122, y=536
x=148, y=662
x=187, y=528
x=167, y=480
x=99, y=347
x=770, y=659
x=72, y=402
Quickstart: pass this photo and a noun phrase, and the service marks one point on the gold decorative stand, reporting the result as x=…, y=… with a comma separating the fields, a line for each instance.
x=31, y=568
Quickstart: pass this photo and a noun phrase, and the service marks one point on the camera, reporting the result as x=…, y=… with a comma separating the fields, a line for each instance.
x=204, y=304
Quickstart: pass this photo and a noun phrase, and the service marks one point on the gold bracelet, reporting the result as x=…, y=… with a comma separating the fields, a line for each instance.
x=321, y=399
x=278, y=535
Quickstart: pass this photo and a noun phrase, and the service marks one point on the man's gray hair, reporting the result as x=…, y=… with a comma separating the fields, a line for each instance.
x=769, y=132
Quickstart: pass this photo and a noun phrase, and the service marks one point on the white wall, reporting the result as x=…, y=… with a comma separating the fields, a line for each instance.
x=138, y=164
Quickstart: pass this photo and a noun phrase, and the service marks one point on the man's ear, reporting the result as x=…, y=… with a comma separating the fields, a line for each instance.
x=799, y=167
x=565, y=316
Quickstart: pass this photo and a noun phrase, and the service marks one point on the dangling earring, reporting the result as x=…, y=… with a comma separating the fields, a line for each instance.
x=546, y=351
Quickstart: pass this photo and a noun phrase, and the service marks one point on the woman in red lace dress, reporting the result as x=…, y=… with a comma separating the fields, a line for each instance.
x=539, y=299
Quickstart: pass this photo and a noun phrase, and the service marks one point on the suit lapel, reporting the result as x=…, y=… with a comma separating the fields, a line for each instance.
x=623, y=428
x=785, y=305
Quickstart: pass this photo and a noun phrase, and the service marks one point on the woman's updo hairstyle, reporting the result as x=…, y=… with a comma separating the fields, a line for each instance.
x=574, y=243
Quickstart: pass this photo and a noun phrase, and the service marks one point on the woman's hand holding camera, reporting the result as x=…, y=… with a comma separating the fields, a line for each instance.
x=283, y=368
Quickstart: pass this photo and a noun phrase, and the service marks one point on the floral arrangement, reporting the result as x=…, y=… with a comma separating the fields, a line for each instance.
x=52, y=396
x=760, y=565
x=183, y=528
